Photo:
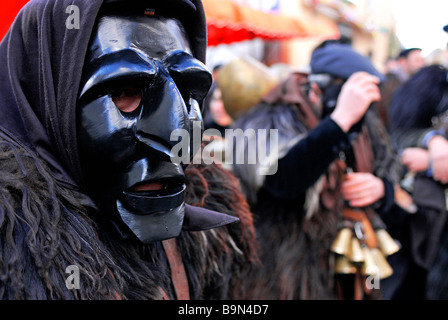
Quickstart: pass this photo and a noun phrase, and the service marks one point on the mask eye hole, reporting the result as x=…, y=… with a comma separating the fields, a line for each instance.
x=127, y=99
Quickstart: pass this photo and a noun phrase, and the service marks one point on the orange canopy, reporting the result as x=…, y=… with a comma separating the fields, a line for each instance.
x=229, y=22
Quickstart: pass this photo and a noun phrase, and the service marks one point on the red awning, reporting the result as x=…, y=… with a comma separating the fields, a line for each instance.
x=8, y=12
x=229, y=22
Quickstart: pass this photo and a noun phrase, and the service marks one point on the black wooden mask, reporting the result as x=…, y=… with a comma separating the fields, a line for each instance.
x=140, y=83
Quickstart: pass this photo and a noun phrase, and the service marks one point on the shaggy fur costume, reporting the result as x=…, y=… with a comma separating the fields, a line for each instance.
x=44, y=228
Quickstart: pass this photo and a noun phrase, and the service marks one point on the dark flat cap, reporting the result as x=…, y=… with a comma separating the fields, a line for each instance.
x=405, y=52
x=340, y=60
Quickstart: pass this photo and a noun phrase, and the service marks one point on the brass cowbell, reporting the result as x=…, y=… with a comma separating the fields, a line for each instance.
x=355, y=255
x=384, y=268
x=341, y=245
x=387, y=244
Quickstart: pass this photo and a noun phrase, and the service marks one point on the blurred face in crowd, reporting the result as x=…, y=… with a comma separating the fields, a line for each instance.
x=217, y=109
x=413, y=62
x=315, y=96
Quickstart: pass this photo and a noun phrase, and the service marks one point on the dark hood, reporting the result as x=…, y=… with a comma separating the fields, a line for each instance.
x=41, y=70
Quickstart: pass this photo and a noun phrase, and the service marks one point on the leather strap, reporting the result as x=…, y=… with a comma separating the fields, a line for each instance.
x=358, y=215
x=358, y=289
x=178, y=274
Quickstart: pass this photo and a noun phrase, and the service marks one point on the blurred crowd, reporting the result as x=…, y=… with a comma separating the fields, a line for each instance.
x=357, y=208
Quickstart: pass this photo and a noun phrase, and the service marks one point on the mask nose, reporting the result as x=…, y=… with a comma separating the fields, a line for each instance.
x=163, y=111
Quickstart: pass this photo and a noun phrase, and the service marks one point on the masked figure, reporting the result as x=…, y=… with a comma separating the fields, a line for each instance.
x=88, y=181
x=140, y=84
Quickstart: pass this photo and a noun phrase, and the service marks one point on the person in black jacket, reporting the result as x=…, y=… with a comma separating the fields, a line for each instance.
x=293, y=231
x=418, y=128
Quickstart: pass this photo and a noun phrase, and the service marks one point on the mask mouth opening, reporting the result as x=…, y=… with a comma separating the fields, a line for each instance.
x=150, y=197
x=157, y=188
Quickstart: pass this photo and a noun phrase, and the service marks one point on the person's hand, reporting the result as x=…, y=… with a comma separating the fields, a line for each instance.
x=359, y=91
x=415, y=159
x=438, y=153
x=362, y=189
